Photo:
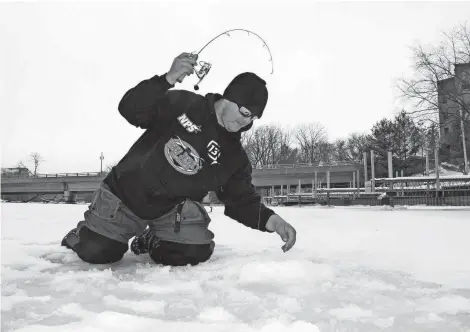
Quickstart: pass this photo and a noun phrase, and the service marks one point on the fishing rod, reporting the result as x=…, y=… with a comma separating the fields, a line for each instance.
x=205, y=66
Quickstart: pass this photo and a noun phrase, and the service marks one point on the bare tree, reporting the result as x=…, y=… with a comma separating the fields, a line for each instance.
x=433, y=66
x=246, y=138
x=287, y=153
x=272, y=145
x=36, y=159
x=279, y=144
x=307, y=143
x=309, y=138
x=256, y=145
x=266, y=145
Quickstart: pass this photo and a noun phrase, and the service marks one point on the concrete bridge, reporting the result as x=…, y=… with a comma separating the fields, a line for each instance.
x=339, y=175
x=72, y=186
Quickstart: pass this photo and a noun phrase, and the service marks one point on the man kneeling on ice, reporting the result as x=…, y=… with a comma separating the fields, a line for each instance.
x=191, y=145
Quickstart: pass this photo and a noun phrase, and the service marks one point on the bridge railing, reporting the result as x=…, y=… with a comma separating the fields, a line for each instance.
x=318, y=164
x=61, y=175
x=51, y=175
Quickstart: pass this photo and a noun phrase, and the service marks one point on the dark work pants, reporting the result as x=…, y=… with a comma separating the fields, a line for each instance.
x=103, y=236
x=95, y=248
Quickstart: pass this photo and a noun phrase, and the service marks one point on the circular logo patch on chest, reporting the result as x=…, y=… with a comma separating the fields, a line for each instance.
x=182, y=156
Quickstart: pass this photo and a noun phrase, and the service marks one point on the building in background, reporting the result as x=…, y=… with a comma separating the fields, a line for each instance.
x=454, y=115
x=15, y=172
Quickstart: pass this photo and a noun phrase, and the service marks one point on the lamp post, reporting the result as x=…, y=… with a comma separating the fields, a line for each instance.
x=464, y=146
x=101, y=167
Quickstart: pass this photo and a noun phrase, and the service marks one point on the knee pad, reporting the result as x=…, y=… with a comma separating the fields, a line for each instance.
x=179, y=254
x=95, y=248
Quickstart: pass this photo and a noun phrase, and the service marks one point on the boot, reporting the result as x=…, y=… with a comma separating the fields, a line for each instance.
x=142, y=242
x=72, y=233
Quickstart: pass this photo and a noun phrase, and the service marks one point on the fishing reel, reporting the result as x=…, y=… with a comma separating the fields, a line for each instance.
x=201, y=72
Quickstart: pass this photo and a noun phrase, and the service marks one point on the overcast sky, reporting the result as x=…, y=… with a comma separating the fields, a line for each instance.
x=65, y=66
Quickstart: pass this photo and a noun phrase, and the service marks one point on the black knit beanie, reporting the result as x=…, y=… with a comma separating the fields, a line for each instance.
x=248, y=90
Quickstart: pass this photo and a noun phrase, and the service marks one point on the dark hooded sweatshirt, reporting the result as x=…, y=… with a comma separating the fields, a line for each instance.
x=183, y=153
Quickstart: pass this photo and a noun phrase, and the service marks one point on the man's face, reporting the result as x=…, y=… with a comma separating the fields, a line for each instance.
x=233, y=117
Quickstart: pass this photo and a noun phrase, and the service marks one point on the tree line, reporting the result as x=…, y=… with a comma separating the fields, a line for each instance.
x=309, y=144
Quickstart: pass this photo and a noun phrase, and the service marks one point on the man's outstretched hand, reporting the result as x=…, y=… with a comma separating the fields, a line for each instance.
x=284, y=229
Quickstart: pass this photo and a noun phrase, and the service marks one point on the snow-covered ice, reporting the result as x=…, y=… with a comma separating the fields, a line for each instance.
x=352, y=269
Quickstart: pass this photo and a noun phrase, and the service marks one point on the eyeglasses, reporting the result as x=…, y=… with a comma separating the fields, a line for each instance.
x=246, y=113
